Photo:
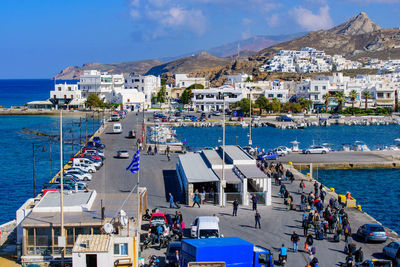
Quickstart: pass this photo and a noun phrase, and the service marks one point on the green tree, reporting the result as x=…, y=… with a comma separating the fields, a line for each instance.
x=196, y=86
x=161, y=95
x=340, y=99
x=366, y=95
x=185, y=97
x=249, y=79
x=262, y=102
x=305, y=103
x=353, y=96
x=327, y=98
x=276, y=106
x=93, y=101
x=244, y=105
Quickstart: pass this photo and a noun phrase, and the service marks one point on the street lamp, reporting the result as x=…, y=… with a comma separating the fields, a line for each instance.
x=223, y=182
x=250, y=141
x=33, y=165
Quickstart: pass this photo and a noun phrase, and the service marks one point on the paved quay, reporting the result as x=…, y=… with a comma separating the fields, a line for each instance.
x=158, y=175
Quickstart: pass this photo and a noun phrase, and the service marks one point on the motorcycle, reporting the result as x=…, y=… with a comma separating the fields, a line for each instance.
x=164, y=241
x=146, y=216
x=147, y=242
x=153, y=260
x=282, y=260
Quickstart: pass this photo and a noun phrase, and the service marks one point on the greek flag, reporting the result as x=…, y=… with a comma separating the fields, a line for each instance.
x=134, y=166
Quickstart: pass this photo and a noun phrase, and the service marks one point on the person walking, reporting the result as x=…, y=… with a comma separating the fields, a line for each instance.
x=203, y=196
x=196, y=198
x=155, y=150
x=316, y=188
x=254, y=199
x=169, y=156
x=257, y=218
x=235, y=207
x=149, y=150
x=302, y=186
x=171, y=201
x=359, y=255
x=309, y=241
x=295, y=239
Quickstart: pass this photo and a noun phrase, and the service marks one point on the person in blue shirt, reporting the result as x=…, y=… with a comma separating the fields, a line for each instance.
x=171, y=201
x=159, y=233
x=282, y=253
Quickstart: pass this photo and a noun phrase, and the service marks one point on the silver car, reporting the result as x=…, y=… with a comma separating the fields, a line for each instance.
x=316, y=150
x=372, y=232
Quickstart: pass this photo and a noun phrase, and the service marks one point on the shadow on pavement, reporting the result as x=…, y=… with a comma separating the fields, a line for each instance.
x=172, y=185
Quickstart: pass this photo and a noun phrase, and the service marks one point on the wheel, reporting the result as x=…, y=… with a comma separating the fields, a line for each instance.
x=308, y=152
x=323, y=152
x=91, y=171
x=85, y=179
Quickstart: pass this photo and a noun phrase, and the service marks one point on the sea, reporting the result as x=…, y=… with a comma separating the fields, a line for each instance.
x=376, y=190
x=18, y=133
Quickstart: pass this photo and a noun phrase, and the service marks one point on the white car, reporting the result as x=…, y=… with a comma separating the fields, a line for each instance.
x=316, y=150
x=205, y=227
x=280, y=151
x=391, y=249
x=122, y=154
x=85, y=167
x=80, y=174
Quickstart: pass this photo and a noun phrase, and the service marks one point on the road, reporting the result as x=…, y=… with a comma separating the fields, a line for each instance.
x=158, y=175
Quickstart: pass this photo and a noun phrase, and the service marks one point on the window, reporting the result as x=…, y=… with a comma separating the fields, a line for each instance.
x=316, y=97
x=263, y=258
x=279, y=95
x=388, y=95
x=380, y=95
x=121, y=249
x=270, y=95
x=316, y=88
x=69, y=88
x=59, y=88
x=324, y=87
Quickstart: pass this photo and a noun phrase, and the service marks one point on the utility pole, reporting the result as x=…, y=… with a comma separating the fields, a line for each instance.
x=223, y=156
x=250, y=141
x=62, y=192
x=51, y=162
x=33, y=169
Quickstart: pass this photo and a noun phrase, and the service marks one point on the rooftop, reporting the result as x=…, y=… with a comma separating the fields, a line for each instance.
x=73, y=201
x=238, y=155
x=196, y=170
x=92, y=243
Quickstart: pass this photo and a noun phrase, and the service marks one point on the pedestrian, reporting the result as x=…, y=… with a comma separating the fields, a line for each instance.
x=149, y=150
x=295, y=239
x=322, y=196
x=316, y=188
x=155, y=150
x=160, y=230
x=301, y=186
x=310, y=257
x=350, y=260
x=212, y=195
x=257, y=218
x=196, y=198
x=171, y=201
x=169, y=156
x=235, y=207
x=309, y=241
x=203, y=196
x=167, y=150
x=176, y=263
x=254, y=199
x=359, y=255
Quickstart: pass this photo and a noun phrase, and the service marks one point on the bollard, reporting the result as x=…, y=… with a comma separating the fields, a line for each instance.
x=359, y=207
x=332, y=189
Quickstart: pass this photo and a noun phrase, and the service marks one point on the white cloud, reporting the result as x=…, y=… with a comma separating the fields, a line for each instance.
x=310, y=21
x=273, y=20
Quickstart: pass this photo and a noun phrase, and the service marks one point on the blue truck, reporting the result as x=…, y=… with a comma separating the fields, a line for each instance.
x=233, y=251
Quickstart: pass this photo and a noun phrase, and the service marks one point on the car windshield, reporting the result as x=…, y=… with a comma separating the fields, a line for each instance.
x=376, y=229
x=207, y=233
x=157, y=218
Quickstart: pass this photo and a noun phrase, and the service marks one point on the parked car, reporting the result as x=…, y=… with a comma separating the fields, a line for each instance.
x=316, y=150
x=117, y=128
x=92, y=154
x=114, y=117
x=78, y=174
x=123, y=154
x=95, y=152
x=157, y=219
x=334, y=116
x=84, y=167
x=375, y=263
x=281, y=152
x=205, y=227
x=164, y=119
x=96, y=144
x=372, y=232
x=391, y=249
x=284, y=118
x=178, y=113
x=170, y=254
x=216, y=113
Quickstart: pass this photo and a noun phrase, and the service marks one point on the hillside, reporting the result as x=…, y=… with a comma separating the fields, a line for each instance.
x=194, y=63
x=356, y=38
x=73, y=72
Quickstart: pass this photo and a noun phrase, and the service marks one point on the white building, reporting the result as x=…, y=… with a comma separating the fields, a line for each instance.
x=100, y=83
x=182, y=80
x=146, y=84
x=213, y=98
x=239, y=78
x=66, y=95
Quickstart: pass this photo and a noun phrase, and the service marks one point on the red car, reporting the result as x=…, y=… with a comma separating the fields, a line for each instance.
x=164, y=119
x=156, y=220
x=90, y=155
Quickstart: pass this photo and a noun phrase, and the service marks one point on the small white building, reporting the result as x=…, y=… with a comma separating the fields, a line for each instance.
x=67, y=96
x=100, y=83
x=146, y=84
x=239, y=78
x=213, y=98
x=182, y=80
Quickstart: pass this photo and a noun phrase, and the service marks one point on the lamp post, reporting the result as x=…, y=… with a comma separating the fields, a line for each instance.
x=33, y=165
x=250, y=141
x=223, y=155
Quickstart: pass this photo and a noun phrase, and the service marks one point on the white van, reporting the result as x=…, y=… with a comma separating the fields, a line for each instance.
x=117, y=128
x=205, y=227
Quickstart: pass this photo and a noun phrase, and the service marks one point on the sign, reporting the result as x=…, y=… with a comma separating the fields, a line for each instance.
x=61, y=241
x=206, y=264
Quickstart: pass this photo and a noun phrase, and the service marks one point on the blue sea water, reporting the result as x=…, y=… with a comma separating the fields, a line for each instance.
x=377, y=191
x=19, y=92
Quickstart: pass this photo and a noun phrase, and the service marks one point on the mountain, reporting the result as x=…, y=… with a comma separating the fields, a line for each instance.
x=359, y=24
x=73, y=72
x=358, y=37
x=193, y=63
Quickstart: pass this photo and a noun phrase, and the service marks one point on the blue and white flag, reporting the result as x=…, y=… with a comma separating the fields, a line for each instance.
x=134, y=166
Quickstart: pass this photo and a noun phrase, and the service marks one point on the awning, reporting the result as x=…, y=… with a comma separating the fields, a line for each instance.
x=229, y=175
x=251, y=172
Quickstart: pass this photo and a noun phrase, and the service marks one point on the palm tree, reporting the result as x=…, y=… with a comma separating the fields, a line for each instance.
x=353, y=95
x=366, y=95
x=327, y=98
x=340, y=99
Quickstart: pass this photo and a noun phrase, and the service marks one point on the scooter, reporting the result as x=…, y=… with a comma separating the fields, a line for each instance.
x=146, y=216
x=153, y=260
x=282, y=260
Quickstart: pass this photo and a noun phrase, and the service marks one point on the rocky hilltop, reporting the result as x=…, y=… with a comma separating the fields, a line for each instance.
x=356, y=38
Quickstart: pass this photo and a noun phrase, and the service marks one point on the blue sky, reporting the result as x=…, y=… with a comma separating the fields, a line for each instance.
x=41, y=37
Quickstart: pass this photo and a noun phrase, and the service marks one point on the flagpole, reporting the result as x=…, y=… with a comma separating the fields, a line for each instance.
x=138, y=192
